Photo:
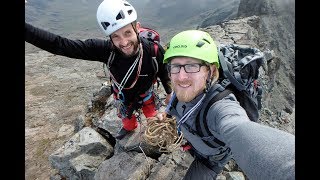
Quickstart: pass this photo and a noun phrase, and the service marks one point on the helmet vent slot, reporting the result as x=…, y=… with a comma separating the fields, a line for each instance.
x=105, y=25
x=200, y=44
x=206, y=41
x=130, y=11
x=120, y=15
x=126, y=4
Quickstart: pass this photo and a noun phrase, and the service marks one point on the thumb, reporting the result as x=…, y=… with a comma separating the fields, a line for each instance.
x=161, y=116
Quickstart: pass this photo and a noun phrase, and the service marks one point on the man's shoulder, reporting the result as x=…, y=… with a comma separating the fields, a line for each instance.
x=218, y=97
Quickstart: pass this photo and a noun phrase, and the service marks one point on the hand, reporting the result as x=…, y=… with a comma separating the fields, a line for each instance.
x=161, y=116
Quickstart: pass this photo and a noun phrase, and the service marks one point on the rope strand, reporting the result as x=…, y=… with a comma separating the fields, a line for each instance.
x=163, y=134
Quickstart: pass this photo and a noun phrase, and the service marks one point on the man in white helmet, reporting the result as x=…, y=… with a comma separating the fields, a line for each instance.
x=128, y=57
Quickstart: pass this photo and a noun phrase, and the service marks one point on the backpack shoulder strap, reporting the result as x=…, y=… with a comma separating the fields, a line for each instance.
x=201, y=123
x=155, y=49
x=154, y=53
x=173, y=102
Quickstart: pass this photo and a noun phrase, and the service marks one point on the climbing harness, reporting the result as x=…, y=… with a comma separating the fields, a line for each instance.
x=121, y=85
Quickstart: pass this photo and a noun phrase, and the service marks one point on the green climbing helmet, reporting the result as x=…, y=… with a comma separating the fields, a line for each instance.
x=193, y=43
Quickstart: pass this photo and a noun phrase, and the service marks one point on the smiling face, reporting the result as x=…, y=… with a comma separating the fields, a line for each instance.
x=126, y=40
x=188, y=85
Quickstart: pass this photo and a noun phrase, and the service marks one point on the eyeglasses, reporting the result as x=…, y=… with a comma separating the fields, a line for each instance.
x=188, y=68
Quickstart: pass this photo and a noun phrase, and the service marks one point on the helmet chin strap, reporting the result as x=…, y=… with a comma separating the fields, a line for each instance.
x=136, y=31
x=208, y=82
x=138, y=37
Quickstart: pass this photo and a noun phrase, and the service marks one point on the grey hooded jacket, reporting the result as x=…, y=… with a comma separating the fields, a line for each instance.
x=260, y=151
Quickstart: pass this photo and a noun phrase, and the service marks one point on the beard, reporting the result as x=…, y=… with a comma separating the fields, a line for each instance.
x=188, y=94
x=133, y=53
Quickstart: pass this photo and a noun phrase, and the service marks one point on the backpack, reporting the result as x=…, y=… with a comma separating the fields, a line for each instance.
x=239, y=70
x=239, y=73
x=150, y=34
x=154, y=36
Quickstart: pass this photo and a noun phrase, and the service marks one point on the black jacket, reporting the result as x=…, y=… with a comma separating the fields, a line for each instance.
x=99, y=50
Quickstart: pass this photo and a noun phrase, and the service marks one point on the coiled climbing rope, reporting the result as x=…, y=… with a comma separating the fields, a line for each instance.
x=163, y=133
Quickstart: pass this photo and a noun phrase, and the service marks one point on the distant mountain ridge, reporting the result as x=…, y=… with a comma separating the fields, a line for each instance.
x=72, y=17
x=277, y=32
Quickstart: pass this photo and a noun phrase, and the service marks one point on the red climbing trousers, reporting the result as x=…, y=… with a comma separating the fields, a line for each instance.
x=148, y=109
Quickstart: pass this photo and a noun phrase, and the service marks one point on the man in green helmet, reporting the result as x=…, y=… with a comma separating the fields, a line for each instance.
x=260, y=151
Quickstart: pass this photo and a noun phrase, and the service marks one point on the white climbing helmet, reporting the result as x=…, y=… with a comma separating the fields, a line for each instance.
x=115, y=14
